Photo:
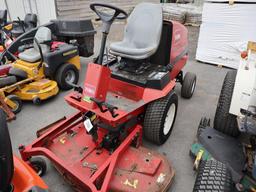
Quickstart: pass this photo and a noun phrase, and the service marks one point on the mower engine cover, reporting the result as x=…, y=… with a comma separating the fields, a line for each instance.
x=60, y=55
x=80, y=30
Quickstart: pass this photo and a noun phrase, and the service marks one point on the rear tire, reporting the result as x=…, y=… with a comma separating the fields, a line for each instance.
x=160, y=117
x=17, y=101
x=224, y=121
x=65, y=74
x=7, y=166
x=213, y=176
x=188, y=85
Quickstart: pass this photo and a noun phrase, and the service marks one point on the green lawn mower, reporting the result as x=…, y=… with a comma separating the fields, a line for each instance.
x=225, y=155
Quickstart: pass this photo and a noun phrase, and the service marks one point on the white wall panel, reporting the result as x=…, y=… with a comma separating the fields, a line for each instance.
x=45, y=9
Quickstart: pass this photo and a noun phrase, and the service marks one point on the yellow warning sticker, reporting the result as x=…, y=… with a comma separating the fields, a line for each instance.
x=87, y=99
x=133, y=184
x=63, y=140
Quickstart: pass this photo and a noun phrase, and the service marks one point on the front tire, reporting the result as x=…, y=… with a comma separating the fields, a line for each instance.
x=15, y=99
x=213, y=176
x=188, y=85
x=65, y=75
x=159, y=118
x=224, y=121
x=39, y=165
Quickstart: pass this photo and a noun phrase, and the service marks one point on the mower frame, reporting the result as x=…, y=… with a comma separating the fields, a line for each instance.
x=66, y=125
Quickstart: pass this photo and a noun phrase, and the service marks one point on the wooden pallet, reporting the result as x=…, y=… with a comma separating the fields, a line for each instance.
x=7, y=110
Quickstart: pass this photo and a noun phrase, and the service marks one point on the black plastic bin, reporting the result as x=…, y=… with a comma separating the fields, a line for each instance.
x=81, y=30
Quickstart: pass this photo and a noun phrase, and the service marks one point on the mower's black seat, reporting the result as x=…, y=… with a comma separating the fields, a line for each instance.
x=30, y=22
x=14, y=75
x=18, y=73
x=142, y=33
x=8, y=80
x=6, y=157
x=32, y=55
x=3, y=17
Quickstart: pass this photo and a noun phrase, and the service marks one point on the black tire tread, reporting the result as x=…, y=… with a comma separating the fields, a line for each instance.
x=7, y=166
x=223, y=120
x=38, y=161
x=155, y=116
x=213, y=176
x=59, y=76
x=187, y=85
x=16, y=99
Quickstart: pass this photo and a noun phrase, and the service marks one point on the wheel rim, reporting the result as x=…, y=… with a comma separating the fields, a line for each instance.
x=38, y=169
x=70, y=76
x=17, y=106
x=169, y=119
x=193, y=87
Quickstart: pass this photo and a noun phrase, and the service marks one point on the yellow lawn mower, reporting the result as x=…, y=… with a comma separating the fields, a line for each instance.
x=43, y=67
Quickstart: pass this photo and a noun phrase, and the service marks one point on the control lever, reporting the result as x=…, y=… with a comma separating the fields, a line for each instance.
x=77, y=88
x=99, y=104
x=109, y=107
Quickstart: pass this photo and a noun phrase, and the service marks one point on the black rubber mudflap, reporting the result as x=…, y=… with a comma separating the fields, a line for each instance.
x=225, y=149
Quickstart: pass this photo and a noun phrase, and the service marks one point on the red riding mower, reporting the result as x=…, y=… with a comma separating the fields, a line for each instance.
x=99, y=147
x=15, y=174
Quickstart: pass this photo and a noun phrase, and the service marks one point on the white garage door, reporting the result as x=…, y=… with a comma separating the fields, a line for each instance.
x=45, y=9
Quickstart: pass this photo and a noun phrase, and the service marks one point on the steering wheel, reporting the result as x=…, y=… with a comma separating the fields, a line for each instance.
x=107, y=17
x=107, y=20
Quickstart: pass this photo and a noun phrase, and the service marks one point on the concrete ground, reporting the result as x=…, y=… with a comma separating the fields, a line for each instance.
x=203, y=103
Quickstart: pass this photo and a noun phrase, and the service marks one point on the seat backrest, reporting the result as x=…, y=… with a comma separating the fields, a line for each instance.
x=144, y=25
x=43, y=35
x=163, y=53
x=6, y=157
x=3, y=17
x=30, y=20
